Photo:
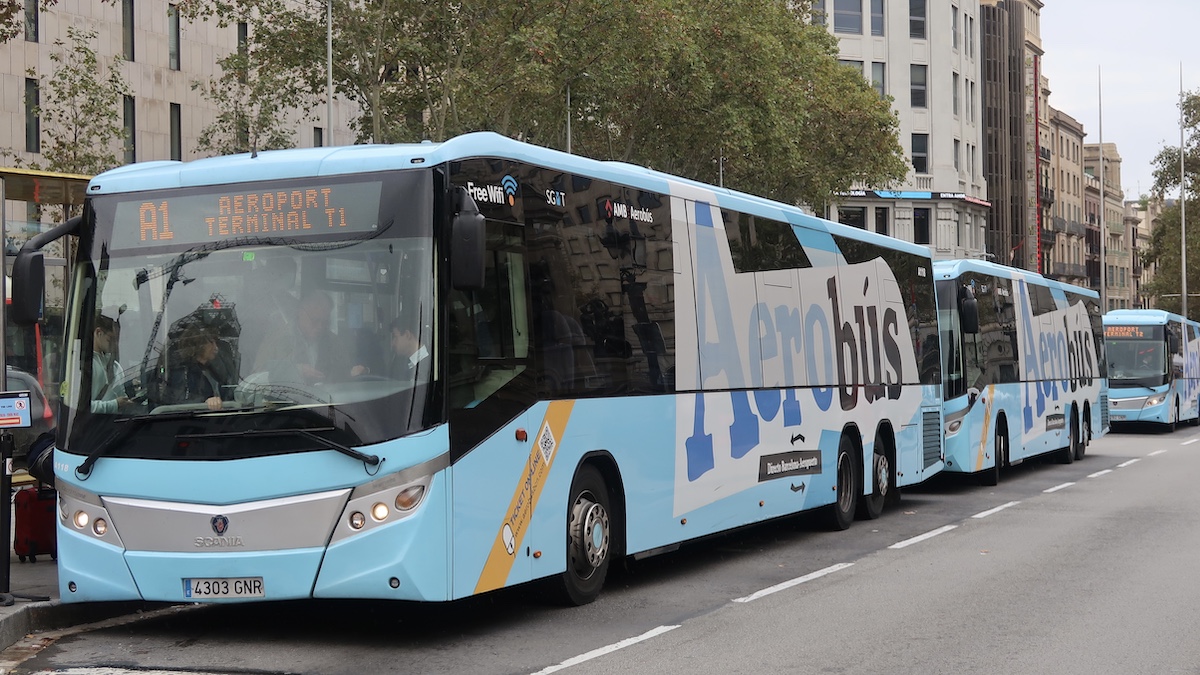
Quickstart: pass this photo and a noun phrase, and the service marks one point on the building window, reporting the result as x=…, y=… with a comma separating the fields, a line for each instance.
x=879, y=77
x=130, y=131
x=31, y=20
x=33, y=124
x=856, y=65
x=919, y=75
x=318, y=137
x=957, y=152
x=847, y=16
x=876, y=17
x=970, y=37
x=920, y=153
x=127, y=28
x=957, y=85
x=954, y=26
x=921, y=226
x=818, y=12
x=173, y=36
x=958, y=233
x=916, y=19
x=855, y=216
x=881, y=219
x=176, y=132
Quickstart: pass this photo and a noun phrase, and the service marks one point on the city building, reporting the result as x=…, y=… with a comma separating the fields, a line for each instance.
x=1067, y=255
x=1012, y=101
x=160, y=56
x=1103, y=163
x=925, y=54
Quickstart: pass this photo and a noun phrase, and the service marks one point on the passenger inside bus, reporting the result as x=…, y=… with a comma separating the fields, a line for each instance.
x=107, y=396
x=305, y=350
x=193, y=377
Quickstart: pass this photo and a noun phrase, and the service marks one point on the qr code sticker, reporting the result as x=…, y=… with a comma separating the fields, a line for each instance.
x=546, y=443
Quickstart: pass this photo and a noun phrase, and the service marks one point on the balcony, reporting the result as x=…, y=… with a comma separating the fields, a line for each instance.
x=1070, y=270
x=1047, y=237
x=1044, y=153
x=1046, y=196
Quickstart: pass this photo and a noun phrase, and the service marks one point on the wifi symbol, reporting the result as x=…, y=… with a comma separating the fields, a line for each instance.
x=510, y=188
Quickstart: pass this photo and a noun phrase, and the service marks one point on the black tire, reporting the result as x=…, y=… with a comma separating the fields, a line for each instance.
x=1067, y=454
x=840, y=514
x=589, y=538
x=1085, y=434
x=991, y=477
x=883, y=483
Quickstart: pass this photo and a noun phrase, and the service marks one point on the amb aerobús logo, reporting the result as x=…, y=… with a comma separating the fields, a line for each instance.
x=504, y=193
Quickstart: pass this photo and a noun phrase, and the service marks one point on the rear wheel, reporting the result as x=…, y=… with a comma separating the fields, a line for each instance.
x=870, y=506
x=1085, y=433
x=589, y=538
x=840, y=513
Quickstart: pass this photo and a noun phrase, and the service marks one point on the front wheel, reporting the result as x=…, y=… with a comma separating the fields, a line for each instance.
x=589, y=538
x=840, y=514
x=991, y=476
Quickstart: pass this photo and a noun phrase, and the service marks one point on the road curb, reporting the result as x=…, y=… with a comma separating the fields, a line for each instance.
x=54, y=615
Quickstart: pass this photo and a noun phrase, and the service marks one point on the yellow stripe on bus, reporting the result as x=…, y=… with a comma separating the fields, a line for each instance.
x=987, y=417
x=525, y=497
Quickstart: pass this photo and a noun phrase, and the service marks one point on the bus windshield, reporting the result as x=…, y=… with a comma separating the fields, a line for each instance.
x=1139, y=360
x=292, y=306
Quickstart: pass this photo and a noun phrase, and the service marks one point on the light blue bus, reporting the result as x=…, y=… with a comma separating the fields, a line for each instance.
x=427, y=371
x=1153, y=367
x=1021, y=367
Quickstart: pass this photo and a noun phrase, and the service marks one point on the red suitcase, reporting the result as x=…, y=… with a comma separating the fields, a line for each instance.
x=36, y=511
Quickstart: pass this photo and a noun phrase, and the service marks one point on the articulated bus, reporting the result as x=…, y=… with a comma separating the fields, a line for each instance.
x=540, y=364
x=1021, y=367
x=1153, y=367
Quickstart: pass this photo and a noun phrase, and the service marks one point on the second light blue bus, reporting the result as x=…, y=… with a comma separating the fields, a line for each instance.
x=1154, y=367
x=1022, y=375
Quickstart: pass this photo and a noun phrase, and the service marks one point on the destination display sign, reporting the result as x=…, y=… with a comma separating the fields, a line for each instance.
x=1125, y=332
x=187, y=219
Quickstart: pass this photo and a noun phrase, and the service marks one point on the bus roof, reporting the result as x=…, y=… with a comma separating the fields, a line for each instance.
x=1142, y=317
x=949, y=269
x=332, y=161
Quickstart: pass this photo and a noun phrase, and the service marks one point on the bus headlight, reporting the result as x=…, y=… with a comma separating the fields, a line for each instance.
x=81, y=519
x=379, y=512
x=953, y=427
x=357, y=520
x=1155, y=400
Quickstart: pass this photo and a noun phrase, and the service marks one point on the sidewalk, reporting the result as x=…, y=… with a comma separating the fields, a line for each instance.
x=48, y=613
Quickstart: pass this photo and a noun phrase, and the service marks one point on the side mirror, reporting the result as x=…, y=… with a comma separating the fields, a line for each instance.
x=968, y=310
x=28, y=287
x=466, y=243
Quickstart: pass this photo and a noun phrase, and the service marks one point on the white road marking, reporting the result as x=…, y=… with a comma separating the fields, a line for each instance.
x=1099, y=473
x=1159, y=452
x=1056, y=488
x=1122, y=465
x=1190, y=441
x=794, y=582
x=596, y=653
x=998, y=509
x=922, y=537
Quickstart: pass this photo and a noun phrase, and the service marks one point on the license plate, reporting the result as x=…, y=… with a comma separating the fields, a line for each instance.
x=240, y=587
x=1118, y=417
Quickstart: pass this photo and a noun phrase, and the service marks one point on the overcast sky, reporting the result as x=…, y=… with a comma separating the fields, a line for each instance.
x=1135, y=50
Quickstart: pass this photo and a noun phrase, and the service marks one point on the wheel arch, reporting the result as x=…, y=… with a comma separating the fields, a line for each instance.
x=606, y=464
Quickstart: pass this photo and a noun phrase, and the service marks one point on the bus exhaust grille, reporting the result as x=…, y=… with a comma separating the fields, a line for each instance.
x=931, y=436
x=1104, y=424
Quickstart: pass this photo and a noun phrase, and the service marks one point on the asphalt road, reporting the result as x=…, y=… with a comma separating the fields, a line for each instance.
x=1084, y=568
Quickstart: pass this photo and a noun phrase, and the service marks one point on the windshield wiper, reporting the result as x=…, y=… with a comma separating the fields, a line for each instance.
x=373, y=460
x=132, y=424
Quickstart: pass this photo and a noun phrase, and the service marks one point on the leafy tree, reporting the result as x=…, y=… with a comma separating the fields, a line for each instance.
x=1166, y=240
x=80, y=112
x=12, y=15
x=249, y=96
x=744, y=92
